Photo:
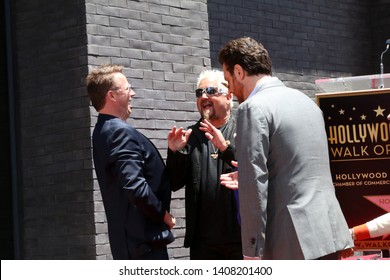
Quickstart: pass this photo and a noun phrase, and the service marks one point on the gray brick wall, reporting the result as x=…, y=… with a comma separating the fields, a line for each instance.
x=54, y=135
x=307, y=40
x=164, y=45
x=380, y=31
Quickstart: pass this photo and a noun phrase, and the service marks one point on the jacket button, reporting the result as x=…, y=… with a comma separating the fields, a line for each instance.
x=253, y=240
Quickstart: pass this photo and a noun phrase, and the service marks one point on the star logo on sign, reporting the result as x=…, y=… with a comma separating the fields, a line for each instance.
x=341, y=112
x=379, y=111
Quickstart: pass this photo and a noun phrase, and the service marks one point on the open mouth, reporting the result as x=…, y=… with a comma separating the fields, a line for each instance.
x=207, y=105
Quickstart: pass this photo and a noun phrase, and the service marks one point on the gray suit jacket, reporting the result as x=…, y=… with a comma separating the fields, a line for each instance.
x=287, y=200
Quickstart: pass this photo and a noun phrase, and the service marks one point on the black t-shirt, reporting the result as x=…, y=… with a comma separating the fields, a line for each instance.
x=217, y=219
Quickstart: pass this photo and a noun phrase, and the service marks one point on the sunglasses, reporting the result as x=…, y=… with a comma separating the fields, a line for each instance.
x=209, y=91
x=128, y=88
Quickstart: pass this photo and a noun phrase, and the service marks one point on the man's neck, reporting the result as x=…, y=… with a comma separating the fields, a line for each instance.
x=252, y=81
x=218, y=123
x=107, y=111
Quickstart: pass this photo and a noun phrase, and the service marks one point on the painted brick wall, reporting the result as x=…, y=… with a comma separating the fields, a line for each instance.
x=307, y=40
x=163, y=46
x=380, y=31
x=54, y=130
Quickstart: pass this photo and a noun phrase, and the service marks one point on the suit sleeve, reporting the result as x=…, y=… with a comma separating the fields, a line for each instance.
x=228, y=155
x=379, y=226
x=252, y=143
x=374, y=228
x=177, y=166
x=127, y=159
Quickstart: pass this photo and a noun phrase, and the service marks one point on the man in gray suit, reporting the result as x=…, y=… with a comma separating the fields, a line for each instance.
x=287, y=200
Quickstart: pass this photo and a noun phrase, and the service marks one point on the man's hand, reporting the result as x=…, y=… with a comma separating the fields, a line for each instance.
x=178, y=138
x=214, y=135
x=230, y=180
x=345, y=253
x=169, y=220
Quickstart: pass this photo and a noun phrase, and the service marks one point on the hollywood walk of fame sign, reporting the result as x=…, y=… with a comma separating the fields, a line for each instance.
x=359, y=151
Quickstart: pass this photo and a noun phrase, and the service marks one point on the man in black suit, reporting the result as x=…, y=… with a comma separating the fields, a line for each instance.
x=131, y=173
x=196, y=159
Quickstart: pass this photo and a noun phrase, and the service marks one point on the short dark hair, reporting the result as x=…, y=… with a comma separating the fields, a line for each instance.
x=99, y=81
x=248, y=53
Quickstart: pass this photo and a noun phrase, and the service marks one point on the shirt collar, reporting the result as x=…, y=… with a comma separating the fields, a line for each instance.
x=261, y=82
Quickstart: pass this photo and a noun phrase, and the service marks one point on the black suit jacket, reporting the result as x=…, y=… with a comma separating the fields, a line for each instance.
x=134, y=186
x=185, y=169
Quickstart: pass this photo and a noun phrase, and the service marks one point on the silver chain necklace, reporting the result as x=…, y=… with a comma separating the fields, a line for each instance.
x=214, y=154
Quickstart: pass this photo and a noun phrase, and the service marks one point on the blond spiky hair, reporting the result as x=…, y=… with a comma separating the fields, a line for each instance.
x=213, y=74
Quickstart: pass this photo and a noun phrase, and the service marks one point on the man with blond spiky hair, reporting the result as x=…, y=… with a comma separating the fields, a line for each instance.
x=196, y=159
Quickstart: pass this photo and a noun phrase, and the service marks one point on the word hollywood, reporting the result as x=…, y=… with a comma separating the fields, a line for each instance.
x=359, y=176
x=361, y=179
x=347, y=136
x=359, y=133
